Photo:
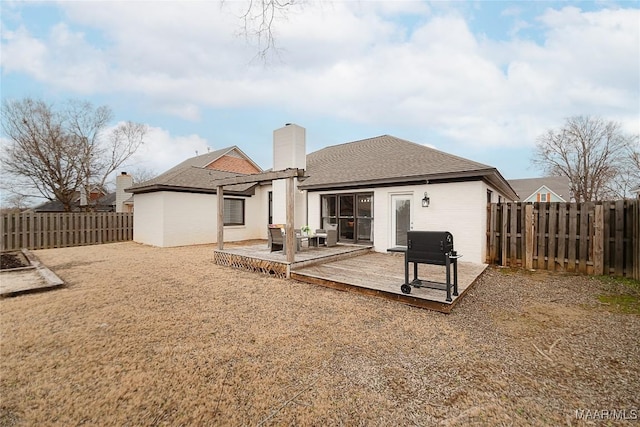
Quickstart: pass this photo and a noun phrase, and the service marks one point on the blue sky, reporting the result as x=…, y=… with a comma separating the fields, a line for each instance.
x=477, y=79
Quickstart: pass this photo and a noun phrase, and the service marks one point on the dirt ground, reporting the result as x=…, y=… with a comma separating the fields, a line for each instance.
x=150, y=336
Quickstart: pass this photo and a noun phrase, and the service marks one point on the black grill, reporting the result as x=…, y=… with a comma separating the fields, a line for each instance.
x=431, y=247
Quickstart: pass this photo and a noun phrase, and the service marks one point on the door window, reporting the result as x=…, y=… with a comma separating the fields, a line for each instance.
x=400, y=218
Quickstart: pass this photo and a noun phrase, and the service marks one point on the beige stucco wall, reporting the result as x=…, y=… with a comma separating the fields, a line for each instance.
x=168, y=218
x=459, y=208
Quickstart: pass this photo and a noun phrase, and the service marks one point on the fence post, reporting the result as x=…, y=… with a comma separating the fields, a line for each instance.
x=598, y=241
x=529, y=232
x=635, y=205
x=503, y=235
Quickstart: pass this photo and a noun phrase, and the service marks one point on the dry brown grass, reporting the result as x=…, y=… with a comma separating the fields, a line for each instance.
x=149, y=336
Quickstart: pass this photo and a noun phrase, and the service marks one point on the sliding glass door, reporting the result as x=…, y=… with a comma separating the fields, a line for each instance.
x=353, y=214
x=364, y=217
x=346, y=221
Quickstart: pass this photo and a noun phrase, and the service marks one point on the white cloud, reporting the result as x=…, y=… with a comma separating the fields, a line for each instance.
x=161, y=150
x=350, y=60
x=23, y=53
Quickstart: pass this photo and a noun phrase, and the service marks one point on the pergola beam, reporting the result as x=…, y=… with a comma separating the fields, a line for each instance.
x=289, y=175
x=260, y=177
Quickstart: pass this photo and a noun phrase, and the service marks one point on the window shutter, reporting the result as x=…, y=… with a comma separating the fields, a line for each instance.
x=538, y=197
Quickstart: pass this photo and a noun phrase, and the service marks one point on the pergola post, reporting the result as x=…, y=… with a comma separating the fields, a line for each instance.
x=220, y=194
x=289, y=175
x=290, y=237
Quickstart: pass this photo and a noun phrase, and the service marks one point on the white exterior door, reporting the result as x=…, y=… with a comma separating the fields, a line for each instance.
x=401, y=218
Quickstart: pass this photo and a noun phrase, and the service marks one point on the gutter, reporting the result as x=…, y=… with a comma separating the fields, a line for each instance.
x=180, y=189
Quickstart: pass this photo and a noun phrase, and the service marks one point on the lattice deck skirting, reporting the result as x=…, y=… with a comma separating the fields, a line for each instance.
x=255, y=265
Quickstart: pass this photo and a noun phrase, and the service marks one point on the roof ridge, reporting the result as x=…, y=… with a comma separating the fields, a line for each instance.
x=350, y=142
x=423, y=146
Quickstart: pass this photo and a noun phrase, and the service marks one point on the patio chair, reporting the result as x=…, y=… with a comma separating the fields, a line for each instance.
x=330, y=236
x=276, y=238
x=300, y=238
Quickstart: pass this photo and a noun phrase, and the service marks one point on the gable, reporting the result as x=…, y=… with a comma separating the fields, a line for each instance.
x=230, y=163
x=528, y=188
x=197, y=173
x=544, y=194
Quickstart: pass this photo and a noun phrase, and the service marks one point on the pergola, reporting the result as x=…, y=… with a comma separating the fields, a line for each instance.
x=289, y=175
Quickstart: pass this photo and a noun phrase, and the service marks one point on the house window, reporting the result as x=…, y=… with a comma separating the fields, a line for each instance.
x=233, y=211
x=489, y=196
x=543, y=197
x=353, y=214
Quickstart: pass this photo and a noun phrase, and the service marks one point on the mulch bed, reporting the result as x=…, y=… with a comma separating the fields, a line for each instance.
x=9, y=260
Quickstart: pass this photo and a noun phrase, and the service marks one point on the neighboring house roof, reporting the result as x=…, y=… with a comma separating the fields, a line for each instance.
x=528, y=187
x=190, y=179
x=105, y=203
x=386, y=160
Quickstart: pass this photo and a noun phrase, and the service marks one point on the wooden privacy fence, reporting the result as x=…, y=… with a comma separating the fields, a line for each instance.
x=59, y=230
x=592, y=237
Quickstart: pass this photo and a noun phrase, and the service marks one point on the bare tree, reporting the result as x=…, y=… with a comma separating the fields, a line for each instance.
x=590, y=151
x=628, y=180
x=258, y=20
x=57, y=152
x=142, y=174
x=14, y=203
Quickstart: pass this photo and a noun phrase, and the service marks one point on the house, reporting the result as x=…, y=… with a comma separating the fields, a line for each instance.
x=545, y=189
x=374, y=190
x=178, y=207
x=99, y=200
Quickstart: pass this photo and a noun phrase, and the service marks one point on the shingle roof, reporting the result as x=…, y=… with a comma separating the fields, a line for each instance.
x=189, y=178
x=387, y=159
x=375, y=161
x=192, y=175
x=105, y=203
x=527, y=186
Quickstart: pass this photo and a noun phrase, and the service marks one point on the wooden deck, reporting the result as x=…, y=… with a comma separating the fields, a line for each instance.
x=382, y=275
x=352, y=268
x=256, y=256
